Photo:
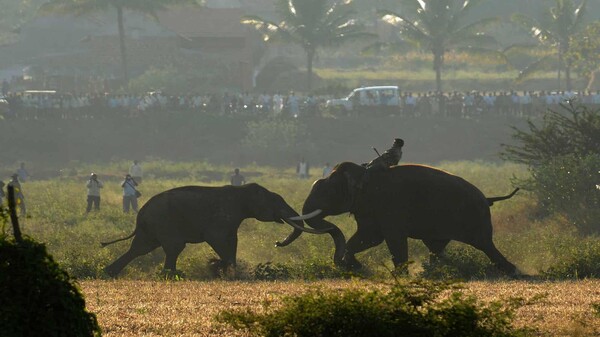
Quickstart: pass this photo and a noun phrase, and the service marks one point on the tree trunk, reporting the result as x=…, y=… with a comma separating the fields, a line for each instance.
x=122, y=45
x=310, y=56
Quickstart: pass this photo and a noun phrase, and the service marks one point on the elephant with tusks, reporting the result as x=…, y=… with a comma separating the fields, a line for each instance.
x=404, y=201
x=195, y=214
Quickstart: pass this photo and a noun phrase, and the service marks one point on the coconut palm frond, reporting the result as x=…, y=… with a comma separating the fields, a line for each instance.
x=545, y=63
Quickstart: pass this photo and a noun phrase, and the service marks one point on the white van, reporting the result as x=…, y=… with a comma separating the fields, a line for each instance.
x=377, y=96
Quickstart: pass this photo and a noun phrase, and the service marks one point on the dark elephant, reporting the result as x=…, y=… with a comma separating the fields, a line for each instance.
x=194, y=214
x=406, y=201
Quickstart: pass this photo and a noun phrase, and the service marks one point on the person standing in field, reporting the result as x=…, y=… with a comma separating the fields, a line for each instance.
x=302, y=169
x=1, y=192
x=135, y=171
x=237, y=179
x=327, y=170
x=93, y=196
x=19, y=197
x=129, y=194
x=23, y=174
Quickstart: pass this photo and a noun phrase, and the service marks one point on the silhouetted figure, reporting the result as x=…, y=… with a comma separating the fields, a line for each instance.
x=389, y=158
x=2, y=195
x=19, y=197
x=237, y=179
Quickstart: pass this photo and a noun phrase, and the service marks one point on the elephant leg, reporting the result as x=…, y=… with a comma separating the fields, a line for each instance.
x=360, y=241
x=172, y=251
x=496, y=257
x=139, y=246
x=226, y=248
x=336, y=234
x=436, y=248
x=398, y=246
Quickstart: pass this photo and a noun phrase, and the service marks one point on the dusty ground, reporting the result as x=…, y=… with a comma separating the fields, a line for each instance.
x=146, y=308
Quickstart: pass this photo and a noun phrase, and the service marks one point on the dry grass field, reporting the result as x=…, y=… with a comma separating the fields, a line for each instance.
x=186, y=308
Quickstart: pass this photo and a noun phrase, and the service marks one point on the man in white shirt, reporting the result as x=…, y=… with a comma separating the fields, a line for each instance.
x=135, y=171
x=93, y=197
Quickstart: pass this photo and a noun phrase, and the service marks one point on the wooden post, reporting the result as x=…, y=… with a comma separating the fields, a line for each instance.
x=12, y=211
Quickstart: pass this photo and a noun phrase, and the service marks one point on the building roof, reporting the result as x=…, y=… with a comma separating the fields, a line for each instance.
x=204, y=22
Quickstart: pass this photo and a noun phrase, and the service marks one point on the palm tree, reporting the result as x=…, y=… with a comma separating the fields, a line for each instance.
x=311, y=24
x=84, y=7
x=555, y=28
x=440, y=26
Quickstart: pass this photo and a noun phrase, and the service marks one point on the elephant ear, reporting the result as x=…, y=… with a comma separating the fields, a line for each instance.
x=353, y=185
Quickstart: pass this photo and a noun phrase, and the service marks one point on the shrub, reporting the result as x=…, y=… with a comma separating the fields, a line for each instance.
x=317, y=269
x=578, y=261
x=38, y=298
x=563, y=155
x=461, y=262
x=567, y=185
x=418, y=308
x=271, y=272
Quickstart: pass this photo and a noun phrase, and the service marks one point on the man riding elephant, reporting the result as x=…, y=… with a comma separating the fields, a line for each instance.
x=389, y=158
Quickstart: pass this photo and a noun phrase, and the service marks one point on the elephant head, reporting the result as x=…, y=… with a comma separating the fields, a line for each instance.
x=269, y=206
x=333, y=195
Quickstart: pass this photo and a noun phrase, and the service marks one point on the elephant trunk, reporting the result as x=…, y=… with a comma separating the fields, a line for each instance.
x=289, y=239
x=338, y=237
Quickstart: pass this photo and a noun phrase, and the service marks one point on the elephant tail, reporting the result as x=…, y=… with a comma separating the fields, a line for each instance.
x=104, y=244
x=494, y=199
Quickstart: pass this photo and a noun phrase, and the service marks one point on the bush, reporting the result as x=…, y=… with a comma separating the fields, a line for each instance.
x=317, y=269
x=38, y=298
x=271, y=272
x=463, y=262
x=577, y=262
x=563, y=155
x=567, y=185
x=415, y=309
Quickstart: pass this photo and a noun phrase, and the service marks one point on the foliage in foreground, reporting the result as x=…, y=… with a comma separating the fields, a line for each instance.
x=418, y=308
x=38, y=298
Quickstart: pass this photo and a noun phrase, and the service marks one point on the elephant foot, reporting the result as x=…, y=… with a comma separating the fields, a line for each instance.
x=351, y=263
x=221, y=269
x=172, y=274
x=111, y=272
x=401, y=270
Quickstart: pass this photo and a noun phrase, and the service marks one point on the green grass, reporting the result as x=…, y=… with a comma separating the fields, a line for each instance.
x=57, y=218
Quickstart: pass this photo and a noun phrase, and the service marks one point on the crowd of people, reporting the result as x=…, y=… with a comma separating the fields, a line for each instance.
x=48, y=104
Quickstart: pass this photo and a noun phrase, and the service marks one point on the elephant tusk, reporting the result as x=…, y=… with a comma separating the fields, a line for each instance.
x=307, y=216
x=308, y=230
